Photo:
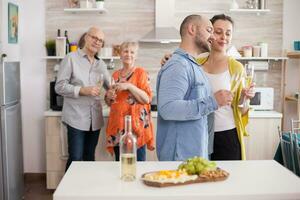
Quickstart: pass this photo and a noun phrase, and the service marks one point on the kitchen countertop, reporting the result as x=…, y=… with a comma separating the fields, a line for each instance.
x=252, y=114
x=259, y=179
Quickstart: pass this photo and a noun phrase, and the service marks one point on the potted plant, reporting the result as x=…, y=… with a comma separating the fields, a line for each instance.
x=50, y=46
x=100, y=4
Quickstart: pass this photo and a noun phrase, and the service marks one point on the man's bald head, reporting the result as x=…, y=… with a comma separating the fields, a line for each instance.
x=95, y=29
x=191, y=19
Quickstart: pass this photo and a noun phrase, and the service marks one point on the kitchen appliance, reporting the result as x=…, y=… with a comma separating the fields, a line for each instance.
x=263, y=99
x=56, y=100
x=11, y=155
x=163, y=32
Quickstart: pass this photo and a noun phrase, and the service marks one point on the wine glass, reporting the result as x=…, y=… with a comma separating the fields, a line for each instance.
x=98, y=80
x=113, y=88
x=247, y=80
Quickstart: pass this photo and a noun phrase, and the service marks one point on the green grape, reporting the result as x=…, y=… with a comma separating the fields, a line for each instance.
x=197, y=165
x=190, y=169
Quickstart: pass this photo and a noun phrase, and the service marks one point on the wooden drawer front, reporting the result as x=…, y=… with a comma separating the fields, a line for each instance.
x=55, y=163
x=53, y=125
x=54, y=178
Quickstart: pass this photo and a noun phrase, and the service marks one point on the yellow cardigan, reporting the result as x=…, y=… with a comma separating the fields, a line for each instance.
x=241, y=121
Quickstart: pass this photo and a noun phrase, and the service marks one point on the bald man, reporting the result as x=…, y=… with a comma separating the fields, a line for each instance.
x=185, y=97
x=77, y=81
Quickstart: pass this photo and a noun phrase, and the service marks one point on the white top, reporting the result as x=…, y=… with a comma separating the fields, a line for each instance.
x=224, y=115
x=263, y=179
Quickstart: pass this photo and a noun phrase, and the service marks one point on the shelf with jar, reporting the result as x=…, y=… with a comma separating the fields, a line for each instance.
x=294, y=97
x=249, y=11
x=61, y=57
x=85, y=10
x=251, y=6
x=86, y=6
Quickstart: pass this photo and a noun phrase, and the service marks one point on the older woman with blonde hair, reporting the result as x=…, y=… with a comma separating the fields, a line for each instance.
x=130, y=95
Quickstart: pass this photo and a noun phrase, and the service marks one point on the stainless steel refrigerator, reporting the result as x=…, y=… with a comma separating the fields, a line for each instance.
x=11, y=153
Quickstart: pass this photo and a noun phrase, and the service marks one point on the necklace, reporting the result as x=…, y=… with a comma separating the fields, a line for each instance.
x=127, y=74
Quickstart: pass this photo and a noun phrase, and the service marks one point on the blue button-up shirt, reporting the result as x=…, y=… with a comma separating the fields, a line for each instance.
x=184, y=100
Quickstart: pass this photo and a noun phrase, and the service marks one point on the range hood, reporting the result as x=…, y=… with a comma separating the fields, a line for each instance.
x=163, y=31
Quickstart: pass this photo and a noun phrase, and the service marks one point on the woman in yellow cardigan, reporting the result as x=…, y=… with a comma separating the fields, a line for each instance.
x=229, y=121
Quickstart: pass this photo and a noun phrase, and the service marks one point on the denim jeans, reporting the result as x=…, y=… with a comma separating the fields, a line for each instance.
x=141, y=153
x=81, y=145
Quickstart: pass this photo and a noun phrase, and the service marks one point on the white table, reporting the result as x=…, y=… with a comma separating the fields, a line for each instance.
x=248, y=180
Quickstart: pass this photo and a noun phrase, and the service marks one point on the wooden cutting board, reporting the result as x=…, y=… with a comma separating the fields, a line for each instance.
x=198, y=180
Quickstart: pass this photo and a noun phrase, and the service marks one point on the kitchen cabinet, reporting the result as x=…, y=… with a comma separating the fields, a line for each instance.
x=260, y=145
x=55, y=163
x=264, y=139
x=56, y=147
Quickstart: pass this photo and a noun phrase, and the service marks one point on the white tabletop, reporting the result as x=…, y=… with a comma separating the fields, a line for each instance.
x=248, y=180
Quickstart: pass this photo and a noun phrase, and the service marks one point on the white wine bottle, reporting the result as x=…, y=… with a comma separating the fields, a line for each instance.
x=128, y=153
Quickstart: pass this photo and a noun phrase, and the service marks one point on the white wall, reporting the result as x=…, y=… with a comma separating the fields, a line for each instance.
x=33, y=76
x=291, y=28
x=291, y=32
x=1, y=17
x=29, y=51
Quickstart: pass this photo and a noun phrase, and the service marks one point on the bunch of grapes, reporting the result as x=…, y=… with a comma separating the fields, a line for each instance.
x=197, y=165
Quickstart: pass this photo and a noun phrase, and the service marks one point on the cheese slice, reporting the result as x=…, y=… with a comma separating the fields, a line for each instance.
x=169, y=176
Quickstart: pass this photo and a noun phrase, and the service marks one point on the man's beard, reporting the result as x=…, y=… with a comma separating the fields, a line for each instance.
x=203, y=46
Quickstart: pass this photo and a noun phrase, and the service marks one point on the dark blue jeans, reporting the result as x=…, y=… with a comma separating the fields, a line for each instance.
x=81, y=145
x=141, y=153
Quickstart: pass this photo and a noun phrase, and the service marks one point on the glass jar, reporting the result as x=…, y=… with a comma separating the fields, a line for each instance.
x=73, y=46
x=247, y=51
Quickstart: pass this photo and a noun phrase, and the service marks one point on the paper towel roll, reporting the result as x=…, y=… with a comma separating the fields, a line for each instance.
x=263, y=49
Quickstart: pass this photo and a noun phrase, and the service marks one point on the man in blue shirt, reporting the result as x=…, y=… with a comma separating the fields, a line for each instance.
x=185, y=97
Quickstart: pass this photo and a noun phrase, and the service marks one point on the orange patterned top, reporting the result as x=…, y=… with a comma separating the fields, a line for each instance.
x=126, y=104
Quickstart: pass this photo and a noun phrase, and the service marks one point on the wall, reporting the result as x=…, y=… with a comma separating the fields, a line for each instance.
x=291, y=32
x=1, y=17
x=29, y=51
x=33, y=75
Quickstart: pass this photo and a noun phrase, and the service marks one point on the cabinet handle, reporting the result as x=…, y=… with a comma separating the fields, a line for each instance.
x=63, y=142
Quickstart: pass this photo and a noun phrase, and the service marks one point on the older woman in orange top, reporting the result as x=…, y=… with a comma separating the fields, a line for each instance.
x=130, y=95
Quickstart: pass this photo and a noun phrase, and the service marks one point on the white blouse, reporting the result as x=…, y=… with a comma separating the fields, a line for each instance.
x=224, y=119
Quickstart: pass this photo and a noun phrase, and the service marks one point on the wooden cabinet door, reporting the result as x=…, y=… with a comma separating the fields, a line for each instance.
x=263, y=140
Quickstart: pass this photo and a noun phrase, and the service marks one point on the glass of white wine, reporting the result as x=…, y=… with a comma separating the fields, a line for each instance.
x=98, y=79
x=247, y=80
x=113, y=88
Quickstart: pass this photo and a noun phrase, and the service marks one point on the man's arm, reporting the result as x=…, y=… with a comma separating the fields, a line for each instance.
x=173, y=85
x=63, y=86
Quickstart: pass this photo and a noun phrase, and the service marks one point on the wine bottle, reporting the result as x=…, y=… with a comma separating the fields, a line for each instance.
x=67, y=42
x=128, y=152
